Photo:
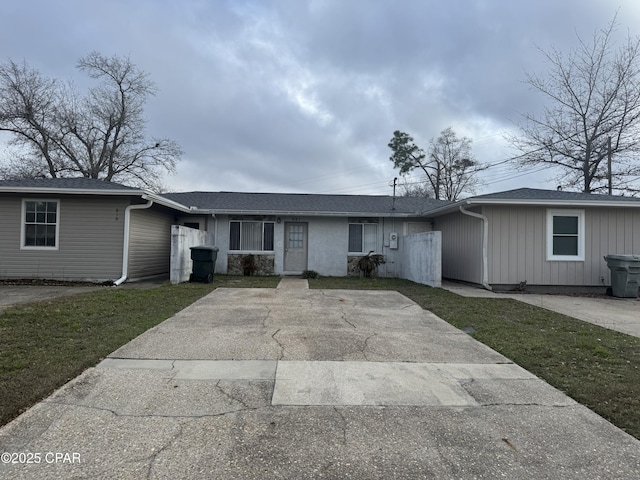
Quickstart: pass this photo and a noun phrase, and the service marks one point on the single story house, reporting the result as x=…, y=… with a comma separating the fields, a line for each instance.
x=541, y=237
x=290, y=233
x=83, y=229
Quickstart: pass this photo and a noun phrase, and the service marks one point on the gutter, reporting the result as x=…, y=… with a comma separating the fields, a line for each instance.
x=485, y=242
x=125, y=243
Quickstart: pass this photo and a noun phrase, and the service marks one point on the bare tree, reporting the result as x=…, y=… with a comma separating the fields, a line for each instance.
x=58, y=133
x=449, y=166
x=593, y=113
x=410, y=187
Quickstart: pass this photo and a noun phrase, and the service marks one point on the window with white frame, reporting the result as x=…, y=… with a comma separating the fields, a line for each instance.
x=565, y=235
x=363, y=237
x=40, y=224
x=251, y=235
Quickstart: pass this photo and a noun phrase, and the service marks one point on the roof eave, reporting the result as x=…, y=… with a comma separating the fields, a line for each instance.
x=298, y=213
x=160, y=200
x=70, y=191
x=531, y=202
x=552, y=202
x=102, y=192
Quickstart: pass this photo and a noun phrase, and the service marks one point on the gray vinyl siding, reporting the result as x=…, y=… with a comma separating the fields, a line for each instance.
x=517, y=245
x=150, y=243
x=90, y=240
x=461, y=247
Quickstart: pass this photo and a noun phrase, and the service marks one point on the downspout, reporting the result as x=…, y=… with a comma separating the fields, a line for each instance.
x=485, y=243
x=125, y=244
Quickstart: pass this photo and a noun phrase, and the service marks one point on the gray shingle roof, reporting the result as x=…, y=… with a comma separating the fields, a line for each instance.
x=303, y=203
x=537, y=194
x=64, y=183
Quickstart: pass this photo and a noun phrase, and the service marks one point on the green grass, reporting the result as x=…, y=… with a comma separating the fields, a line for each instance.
x=597, y=367
x=45, y=344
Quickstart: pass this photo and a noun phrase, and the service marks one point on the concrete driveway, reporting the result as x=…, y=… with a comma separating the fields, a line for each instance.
x=297, y=383
x=16, y=294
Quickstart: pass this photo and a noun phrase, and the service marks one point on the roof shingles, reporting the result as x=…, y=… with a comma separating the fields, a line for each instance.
x=79, y=183
x=297, y=202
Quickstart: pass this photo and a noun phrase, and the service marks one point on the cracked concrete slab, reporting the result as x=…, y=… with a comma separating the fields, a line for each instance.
x=209, y=393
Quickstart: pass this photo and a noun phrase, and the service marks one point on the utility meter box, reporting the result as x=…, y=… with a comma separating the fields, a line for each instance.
x=393, y=240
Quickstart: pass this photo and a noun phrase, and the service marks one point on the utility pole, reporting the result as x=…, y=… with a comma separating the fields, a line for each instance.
x=609, y=163
x=393, y=205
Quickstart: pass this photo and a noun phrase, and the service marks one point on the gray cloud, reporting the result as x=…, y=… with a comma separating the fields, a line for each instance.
x=299, y=96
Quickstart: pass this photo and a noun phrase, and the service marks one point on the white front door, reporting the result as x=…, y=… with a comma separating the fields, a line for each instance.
x=295, y=247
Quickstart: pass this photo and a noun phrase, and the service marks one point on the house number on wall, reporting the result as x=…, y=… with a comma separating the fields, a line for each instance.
x=295, y=219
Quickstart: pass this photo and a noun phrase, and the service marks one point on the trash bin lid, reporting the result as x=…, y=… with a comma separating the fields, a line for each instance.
x=205, y=247
x=623, y=257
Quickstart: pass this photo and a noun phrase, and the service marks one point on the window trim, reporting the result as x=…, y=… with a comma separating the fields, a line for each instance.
x=579, y=214
x=263, y=222
x=23, y=225
x=362, y=224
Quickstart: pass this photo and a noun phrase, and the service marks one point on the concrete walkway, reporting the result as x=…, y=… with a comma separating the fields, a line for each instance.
x=16, y=294
x=298, y=383
x=620, y=314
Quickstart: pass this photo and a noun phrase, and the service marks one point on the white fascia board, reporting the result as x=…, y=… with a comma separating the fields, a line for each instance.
x=564, y=203
x=531, y=202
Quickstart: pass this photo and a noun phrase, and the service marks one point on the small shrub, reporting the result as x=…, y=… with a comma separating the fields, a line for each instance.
x=368, y=264
x=248, y=265
x=310, y=274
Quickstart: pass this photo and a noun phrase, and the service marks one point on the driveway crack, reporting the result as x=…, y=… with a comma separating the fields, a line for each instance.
x=266, y=317
x=279, y=343
x=154, y=456
x=229, y=396
x=155, y=415
x=344, y=425
x=344, y=317
x=366, y=345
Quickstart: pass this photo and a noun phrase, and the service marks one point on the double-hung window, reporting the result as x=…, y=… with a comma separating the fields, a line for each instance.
x=251, y=235
x=565, y=235
x=40, y=224
x=363, y=237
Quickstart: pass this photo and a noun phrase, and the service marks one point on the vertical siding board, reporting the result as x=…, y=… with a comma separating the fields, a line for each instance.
x=505, y=240
x=539, y=249
x=592, y=221
x=149, y=243
x=495, y=259
x=461, y=247
x=604, y=242
x=635, y=248
x=519, y=250
x=493, y=249
x=628, y=234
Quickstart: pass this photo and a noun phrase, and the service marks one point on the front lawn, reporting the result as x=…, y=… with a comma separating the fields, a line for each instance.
x=597, y=367
x=45, y=344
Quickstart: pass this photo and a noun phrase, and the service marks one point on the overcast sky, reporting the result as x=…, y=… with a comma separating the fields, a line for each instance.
x=303, y=96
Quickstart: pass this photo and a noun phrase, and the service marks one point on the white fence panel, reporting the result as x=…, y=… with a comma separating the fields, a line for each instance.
x=421, y=258
x=182, y=239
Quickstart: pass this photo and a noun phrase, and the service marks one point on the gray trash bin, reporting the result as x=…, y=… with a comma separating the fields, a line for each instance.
x=204, y=263
x=625, y=274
